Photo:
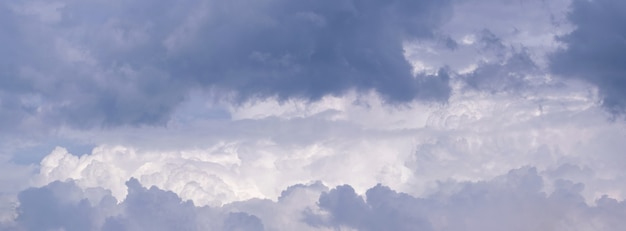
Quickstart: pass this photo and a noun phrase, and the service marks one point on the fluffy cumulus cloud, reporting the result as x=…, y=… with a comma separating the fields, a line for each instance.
x=512, y=201
x=311, y=115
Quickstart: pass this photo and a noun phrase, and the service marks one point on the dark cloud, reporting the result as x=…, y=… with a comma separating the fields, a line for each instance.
x=384, y=209
x=115, y=63
x=153, y=209
x=508, y=75
x=64, y=206
x=596, y=49
x=54, y=207
x=312, y=48
x=491, y=42
x=241, y=222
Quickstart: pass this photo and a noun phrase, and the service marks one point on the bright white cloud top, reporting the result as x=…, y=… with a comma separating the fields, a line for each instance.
x=312, y=115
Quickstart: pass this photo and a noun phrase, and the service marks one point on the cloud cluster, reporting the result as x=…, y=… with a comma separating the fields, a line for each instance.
x=63, y=205
x=510, y=202
x=513, y=201
x=436, y=103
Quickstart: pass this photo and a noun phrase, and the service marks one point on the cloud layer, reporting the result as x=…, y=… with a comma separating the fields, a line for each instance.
x=311, y=115
x=512, y=201
x=475, y=137
x=119, y=63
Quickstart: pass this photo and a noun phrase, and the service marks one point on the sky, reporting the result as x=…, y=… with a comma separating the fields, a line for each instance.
x=313, y=115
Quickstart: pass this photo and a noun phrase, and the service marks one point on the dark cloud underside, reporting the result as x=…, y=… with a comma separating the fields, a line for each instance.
x=596, y=49
x=116, y=62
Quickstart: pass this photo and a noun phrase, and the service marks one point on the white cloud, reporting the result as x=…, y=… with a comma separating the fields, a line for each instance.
x=360, y=141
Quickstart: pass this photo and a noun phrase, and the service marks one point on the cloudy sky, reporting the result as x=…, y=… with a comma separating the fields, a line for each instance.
x=313, y=115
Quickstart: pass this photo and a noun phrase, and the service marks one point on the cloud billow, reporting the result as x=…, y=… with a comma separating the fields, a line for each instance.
x=513, y=201
x=62, y=205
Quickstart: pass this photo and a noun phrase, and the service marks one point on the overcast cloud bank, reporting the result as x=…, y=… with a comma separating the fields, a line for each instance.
x=312, y=115
x=114, y=63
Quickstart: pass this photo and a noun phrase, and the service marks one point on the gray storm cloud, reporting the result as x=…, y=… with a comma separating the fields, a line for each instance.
x=595, y=50
x=113, y=63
